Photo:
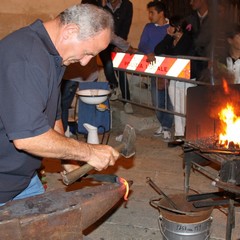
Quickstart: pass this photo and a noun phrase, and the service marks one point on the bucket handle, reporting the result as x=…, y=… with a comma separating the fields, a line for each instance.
x=160, y=206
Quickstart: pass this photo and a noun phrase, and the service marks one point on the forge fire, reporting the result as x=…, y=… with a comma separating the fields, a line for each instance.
x=230, y=132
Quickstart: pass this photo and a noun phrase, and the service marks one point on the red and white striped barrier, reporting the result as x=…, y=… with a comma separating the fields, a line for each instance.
x=168, y=66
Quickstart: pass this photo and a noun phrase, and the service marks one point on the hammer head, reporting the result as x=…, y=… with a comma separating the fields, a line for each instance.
x=127, y=146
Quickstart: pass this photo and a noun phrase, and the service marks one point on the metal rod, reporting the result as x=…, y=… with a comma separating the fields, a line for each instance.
x=202, y=204
x=202, y=196
x=230, y=219
x=203, y=170
x=158, y=190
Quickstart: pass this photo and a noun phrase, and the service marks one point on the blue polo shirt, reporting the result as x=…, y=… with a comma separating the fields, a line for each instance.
x=152, y=34
x=30, y=77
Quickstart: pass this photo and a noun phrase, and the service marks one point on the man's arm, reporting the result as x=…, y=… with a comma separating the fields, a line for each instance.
x=120, y=43
x=68, y=165
x=52, y=144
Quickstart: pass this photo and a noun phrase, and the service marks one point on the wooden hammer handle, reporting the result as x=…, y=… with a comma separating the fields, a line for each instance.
x=73, y=176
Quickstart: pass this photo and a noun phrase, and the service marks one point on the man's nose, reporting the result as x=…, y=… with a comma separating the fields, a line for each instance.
x=85, y=60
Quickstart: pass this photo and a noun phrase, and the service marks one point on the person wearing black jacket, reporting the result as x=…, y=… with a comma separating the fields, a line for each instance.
x=122, y=11
x=178, y=41
x=202, y=30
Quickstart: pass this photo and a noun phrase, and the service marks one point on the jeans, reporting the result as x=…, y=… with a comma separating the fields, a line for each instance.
x=35, y=187
x=124, y=86
x=161, y=99
x=106, y=59
x=68, y=90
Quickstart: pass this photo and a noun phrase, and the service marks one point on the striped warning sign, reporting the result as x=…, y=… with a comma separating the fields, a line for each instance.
x=168, y=66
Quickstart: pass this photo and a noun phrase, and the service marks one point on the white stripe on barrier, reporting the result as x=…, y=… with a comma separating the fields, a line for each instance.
x=118, y=59
x=152, y=68
x=137, y=58
x=177, y=67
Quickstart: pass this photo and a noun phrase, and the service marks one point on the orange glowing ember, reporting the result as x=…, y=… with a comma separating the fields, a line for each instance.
x=123, y=181
x=231, y=132
x=225, y=87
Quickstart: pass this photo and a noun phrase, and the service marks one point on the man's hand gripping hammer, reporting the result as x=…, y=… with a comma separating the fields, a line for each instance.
x=126, y=148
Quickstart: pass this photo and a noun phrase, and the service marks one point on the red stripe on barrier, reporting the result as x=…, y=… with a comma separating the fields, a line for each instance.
x=126, y=60
x=141, y=67
x=165, y=66
x=113, y=55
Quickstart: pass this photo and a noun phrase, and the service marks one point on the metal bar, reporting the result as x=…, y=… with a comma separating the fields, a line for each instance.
x=202, y=196
x=202, y=204
x=230, y=220
x=227, y=186
x=158, y=190
x=187, y=170
x=202, y=169
x=228, y=152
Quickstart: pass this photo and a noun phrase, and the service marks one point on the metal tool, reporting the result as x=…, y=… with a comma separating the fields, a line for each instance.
x=158, y=190
x=126, y=148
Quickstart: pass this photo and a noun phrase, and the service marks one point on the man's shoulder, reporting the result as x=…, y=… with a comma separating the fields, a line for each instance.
x=127, y=3
x=193, y=16
x=150, y=25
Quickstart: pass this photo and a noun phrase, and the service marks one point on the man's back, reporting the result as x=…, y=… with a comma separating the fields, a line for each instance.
x=201, y=34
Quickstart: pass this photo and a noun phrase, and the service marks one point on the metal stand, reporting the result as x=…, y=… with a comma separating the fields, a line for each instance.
x=229, y=198
x=230, y=219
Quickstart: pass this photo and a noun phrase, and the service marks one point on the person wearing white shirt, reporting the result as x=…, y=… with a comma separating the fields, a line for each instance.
x=233, y=58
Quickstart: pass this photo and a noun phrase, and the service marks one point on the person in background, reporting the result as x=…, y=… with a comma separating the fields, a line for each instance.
x=74, y=74
x=221, y=23
x=232, y=60
x=122, y=11
x=178, y=41
x=33, y=61
x=202, y=34
x=152, y=34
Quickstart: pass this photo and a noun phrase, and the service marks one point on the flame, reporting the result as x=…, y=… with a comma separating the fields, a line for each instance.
x=232, y=126
x=123, y=181
x=225, y=86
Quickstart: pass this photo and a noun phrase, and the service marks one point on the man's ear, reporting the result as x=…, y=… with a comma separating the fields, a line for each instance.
x=229, y=40
x=70, y=30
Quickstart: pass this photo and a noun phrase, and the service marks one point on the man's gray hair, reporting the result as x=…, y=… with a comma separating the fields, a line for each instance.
x=90, y=19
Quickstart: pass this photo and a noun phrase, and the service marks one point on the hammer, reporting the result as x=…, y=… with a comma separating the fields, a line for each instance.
x=126, y=148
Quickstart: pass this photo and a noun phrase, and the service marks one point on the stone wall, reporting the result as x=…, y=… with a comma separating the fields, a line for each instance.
x=15, y=14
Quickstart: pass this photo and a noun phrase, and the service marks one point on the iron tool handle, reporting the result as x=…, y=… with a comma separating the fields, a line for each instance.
x=73, y=176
